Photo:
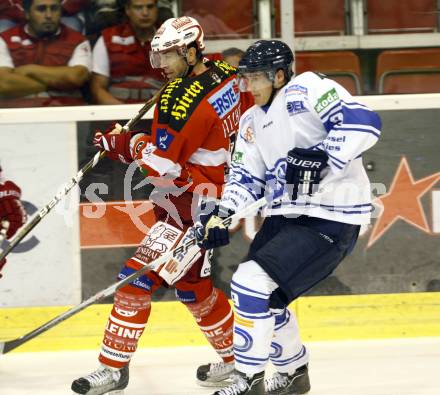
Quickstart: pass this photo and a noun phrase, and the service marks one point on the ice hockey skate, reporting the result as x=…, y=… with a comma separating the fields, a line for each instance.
x=243, y=385
x=282, y=384
x=215, y=374
x=104, y=380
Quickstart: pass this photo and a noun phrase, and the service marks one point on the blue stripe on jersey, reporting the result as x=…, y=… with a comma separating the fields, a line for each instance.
x=349, y=115
x=333, y=107
x=334, y=157
x=239, y=169
x=346, y=128
x=336, y=164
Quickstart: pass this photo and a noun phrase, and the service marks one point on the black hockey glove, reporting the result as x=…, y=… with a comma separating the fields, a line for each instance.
x=303, y=170
x=209, y=230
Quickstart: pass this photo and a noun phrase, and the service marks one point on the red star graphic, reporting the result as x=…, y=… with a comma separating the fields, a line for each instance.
x=403, y=202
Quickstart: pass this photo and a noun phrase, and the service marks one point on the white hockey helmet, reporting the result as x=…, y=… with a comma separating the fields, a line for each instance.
x=176, y=34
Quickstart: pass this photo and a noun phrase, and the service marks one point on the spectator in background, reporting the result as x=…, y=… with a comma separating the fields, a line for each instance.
x=12, y=13
x=121, y=57
x=42, y=62
x=232, y=56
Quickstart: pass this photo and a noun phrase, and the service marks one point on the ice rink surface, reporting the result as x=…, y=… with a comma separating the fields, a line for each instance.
x=373, y=367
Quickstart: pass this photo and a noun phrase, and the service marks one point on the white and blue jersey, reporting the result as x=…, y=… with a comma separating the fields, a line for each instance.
x=309, y=112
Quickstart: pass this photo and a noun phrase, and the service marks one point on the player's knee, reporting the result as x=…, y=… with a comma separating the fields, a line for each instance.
x=250, y=275
x=249, y=289
x=198, y=308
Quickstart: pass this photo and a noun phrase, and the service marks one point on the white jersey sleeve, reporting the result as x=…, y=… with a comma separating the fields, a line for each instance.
x=101, y=64
x=352, y=127
x=82, y=56
x=246, y=181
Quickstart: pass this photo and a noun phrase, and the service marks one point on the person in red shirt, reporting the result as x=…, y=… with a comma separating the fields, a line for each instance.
x=12, y=212
x=185, y=157
x=12, y=13
x=121, y=69
x=43, y=63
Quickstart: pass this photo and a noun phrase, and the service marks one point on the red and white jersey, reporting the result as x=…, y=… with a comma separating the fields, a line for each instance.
x=194, y=128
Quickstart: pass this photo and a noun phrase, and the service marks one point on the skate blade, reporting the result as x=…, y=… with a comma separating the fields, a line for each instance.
x=214, y=384
x=115, y=392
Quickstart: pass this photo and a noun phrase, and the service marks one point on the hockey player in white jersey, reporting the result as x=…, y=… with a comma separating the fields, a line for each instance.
x=302, y=143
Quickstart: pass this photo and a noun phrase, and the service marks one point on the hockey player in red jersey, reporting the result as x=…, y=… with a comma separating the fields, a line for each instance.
x=192, y=136
x=12, y=212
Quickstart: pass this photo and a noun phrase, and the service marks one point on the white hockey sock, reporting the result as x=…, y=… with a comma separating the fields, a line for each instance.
x=251, y=288
x=287, y=353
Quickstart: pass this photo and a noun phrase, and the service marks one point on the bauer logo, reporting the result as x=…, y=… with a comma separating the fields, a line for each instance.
x=225, y=99
x=326, y=99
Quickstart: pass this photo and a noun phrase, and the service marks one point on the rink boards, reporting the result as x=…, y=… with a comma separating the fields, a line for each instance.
x=320, y=318
x=75, y=251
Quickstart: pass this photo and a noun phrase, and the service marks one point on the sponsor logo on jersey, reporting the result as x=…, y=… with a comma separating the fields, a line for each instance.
x=184, y=102
x=296, y=90
x=267, y=124
x=225, y=99
x=326, y=99
x=225, y=67
x=296, y=107
x=163, y=139
x=238, y=157
x=248, y=135
x=167, y=94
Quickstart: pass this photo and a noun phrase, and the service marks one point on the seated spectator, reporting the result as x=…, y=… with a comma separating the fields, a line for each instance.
x=232, y=56
x=121, y=57
x=42, y=62
x=12, y=13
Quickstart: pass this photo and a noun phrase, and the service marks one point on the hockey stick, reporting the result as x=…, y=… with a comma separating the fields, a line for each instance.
x=74, y=181
x=10, y=345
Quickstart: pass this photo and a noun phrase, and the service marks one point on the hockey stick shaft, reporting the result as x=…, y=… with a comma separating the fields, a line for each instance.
x=10, y=345
x=74, y=181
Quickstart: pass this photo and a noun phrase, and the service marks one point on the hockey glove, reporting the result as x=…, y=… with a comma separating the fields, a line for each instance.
x=115, y=143
x=11, y=208
x=303, y=171
x=209, y=230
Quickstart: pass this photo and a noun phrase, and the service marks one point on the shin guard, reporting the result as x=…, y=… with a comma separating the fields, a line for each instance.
x=124, y=327
x=215, y=319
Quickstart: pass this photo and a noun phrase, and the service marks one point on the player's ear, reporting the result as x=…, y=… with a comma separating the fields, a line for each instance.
x=191, y=56
x=280, y=79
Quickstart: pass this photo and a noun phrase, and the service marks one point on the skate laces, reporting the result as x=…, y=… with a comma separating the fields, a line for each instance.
x=277, y=381
x=238, y=387
x=101, y=376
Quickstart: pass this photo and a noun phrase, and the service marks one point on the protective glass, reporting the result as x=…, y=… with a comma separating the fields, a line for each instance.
x=253, y=82
x=161, y=60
